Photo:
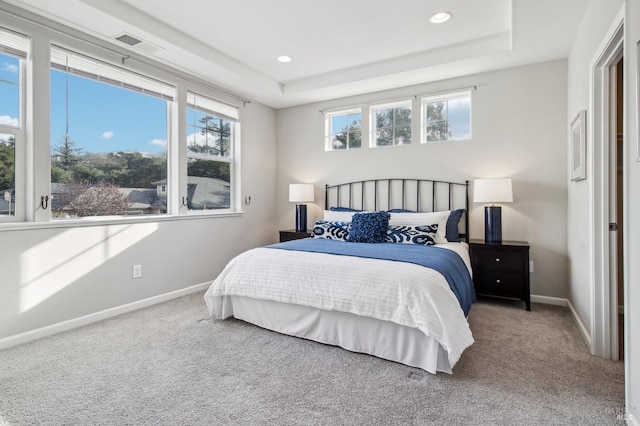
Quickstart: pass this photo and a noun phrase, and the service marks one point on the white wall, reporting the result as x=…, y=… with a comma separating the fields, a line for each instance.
x=519, y=131
x=599, y=18
x=596, y=22
x=52, y=275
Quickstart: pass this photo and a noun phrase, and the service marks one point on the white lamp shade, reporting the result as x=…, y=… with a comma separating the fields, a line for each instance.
x=492, y=191
x=301, y=193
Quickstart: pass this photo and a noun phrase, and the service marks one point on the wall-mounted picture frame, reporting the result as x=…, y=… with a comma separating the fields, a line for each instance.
x=579, y=146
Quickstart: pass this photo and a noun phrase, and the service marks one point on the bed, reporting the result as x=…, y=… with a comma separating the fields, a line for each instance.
x=404, y=298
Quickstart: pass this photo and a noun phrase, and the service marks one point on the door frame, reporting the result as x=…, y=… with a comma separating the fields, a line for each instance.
x=599, y=133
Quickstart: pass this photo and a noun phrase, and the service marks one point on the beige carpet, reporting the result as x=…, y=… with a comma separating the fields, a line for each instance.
x=170, y=364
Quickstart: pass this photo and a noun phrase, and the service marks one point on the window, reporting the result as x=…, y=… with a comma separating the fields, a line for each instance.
x=114, y=148
x=343, y=130
x=108, y=139
x=391, y=124
x=212, y=128
x=13, y=51
x=447, y=117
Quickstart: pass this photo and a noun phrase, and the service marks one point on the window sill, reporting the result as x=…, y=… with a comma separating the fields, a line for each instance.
x=101, y=221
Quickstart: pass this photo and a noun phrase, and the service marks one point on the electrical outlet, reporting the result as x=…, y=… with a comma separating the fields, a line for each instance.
x=136, y=271
x=531, y=266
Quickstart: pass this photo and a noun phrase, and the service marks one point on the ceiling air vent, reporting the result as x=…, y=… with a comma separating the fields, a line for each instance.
x=128, y=39
x=137, y=43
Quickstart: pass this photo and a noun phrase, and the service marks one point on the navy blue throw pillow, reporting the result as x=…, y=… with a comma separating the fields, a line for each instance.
x=369, y=227
x=402, y=211
x=344, y=209
x=452, y=225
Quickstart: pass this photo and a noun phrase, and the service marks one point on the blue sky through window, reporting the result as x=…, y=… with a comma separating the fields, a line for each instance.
x=9, y=89
x=105, y=118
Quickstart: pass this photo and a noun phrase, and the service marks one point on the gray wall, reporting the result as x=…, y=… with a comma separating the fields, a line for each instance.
x=519, y=131
x=50, y=275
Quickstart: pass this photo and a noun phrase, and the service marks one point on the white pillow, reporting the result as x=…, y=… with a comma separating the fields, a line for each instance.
x=338, y=216
x=417, y=219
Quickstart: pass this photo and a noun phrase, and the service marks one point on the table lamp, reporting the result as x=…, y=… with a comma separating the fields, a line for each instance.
x=492, y=191
x=301, y=193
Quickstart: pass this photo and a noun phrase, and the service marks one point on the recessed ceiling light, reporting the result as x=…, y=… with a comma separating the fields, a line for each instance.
x=440, y=17
x=284, y=58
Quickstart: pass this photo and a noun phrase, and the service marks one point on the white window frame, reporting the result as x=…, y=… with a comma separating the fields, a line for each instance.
x=33, y=154
x=444, y=97
x=204, y=103
x=17, y=45
x=404, y=103
x=92, y=67
x=328, y=129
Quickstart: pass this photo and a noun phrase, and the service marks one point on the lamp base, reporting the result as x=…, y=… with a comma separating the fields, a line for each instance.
x=301, y=217
x=493, y=224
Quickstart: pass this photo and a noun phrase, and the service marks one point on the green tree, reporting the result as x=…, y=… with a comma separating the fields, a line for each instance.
x=218, y=137
x=139, y=171
x=66, y=155
x=350, y=136
x=437, y=124
x=64, y=158
x=393, y=126
x=7, y=163
x=210, y=169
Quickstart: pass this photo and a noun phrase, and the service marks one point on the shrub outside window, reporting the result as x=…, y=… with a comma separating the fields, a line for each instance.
x=391, y=124
x=343, y=130
x=447, y=117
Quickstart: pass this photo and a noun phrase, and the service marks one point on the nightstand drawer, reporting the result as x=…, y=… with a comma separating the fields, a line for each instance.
x=506, y=284
x=499, y=260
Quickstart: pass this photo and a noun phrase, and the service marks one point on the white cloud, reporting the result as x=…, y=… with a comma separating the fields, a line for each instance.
x=158, y=142
x=196, y=139
x=10, y=67
x=107, y=135
x=8, y=120
x=4, y=138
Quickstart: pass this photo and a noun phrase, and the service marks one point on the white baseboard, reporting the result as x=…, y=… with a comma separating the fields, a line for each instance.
x=559, y=301
x=581, y=327
x=547, y=300
x=97, y=316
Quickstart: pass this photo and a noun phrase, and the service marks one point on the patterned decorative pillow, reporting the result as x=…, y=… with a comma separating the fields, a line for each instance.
x=331, y=230
x=369, y=227
x=404, y=234
x=421, y=219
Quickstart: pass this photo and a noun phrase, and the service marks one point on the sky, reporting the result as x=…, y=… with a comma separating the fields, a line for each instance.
x=8, y=90
x=105, y=118
x=102, y=117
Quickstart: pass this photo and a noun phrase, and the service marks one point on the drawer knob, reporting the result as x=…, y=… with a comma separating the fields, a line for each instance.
x=497, y=259
x=498, y=281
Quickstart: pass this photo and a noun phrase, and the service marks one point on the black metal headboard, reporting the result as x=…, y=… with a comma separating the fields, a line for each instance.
x=423, y=195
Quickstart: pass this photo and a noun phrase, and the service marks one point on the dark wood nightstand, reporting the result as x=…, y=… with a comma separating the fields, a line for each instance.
x=501, y=269
x=292, y=234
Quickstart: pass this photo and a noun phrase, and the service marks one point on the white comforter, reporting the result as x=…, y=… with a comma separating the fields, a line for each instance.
x=404, y=293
